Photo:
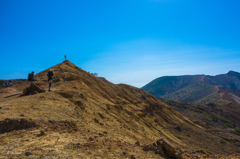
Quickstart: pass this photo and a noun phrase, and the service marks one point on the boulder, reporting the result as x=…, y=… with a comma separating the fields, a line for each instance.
x=33, y=89
x=178, y=128
x=163, y=147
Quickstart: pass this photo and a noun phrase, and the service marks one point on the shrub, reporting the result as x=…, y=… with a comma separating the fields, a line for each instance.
x=237, y=150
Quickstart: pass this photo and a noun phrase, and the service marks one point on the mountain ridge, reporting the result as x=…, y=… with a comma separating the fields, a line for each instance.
x=166, y=87
x=88, y=116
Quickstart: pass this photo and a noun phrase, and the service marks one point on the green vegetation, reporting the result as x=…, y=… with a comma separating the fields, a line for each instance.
x=196, y=89
x=237, y=129
x=221, y=121
x=191, y=93
x=161, y=85
x=204, y=114
x=196, y=94
x=211, y=98
x=237, y=150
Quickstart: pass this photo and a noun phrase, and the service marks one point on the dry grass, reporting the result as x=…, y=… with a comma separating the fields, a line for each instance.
x=109, y=120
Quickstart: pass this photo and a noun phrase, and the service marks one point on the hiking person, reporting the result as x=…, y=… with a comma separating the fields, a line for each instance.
x=50, y=78
x=31, y=77
x=65, y=57
x=10, y=83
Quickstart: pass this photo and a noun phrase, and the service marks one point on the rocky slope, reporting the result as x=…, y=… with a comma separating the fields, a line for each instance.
x=88, y=117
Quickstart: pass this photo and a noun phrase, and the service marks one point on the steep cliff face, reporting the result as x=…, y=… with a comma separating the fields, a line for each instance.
x=89, y=116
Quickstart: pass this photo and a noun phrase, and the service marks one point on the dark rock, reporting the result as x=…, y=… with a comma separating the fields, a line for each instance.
x=33, y=89
x=80, y=104
x=163, y=147
x=105, y=132
x=16, y=124
x=132, y=157
x=101, y=115
x=96, y=120
x=28, y=153
x=143, y=97
x=178, y=128
x=108, y=106
x=222, y=142
x=137, y=143
x=41, y=133
x=90, y=139
x=149, y=147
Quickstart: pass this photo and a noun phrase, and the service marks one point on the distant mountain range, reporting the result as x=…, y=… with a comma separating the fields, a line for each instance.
x=197, y=89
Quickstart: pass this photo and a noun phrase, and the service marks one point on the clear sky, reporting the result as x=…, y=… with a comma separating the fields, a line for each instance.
x=125, y=41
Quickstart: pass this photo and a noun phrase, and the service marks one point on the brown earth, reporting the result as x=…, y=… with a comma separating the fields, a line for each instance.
x=88, y=117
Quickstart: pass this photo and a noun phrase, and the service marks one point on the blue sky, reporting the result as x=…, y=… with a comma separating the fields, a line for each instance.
x=125, y=41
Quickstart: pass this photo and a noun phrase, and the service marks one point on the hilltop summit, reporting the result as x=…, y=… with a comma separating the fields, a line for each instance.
x=88, y=116
x=233, y=73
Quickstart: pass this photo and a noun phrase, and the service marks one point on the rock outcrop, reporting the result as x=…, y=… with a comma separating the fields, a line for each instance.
x=15, y=124
x=33, y=89
x=163, y=147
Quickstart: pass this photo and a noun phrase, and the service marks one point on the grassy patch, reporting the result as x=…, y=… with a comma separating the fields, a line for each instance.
x=237, y=129
x=237, y=150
